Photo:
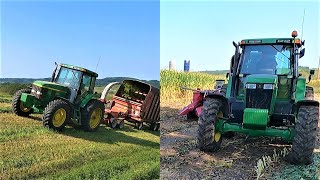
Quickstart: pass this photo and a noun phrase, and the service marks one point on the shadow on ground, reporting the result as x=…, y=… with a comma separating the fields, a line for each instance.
x=112, y=136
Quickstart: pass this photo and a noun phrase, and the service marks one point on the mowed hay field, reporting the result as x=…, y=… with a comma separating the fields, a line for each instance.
x=238, y=157
x=29, y=151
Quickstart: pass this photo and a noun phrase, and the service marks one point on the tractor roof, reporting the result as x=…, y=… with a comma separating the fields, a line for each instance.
x=271, y=41
x=80, y=69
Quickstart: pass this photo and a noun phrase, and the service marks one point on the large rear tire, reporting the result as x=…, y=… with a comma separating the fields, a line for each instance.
x=56, y=115
x=309, y=93
x=305, y=136
x=18, y=107
x=92, y=115
x=208, y=139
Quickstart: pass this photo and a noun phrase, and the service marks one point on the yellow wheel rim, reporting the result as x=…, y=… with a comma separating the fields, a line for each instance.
x=95, y=118
x=220, y=114
x=59, y=117
x=24, y=109
x=217, y=137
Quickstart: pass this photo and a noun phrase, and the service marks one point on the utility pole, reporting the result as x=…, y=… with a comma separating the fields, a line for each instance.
x=318, y=77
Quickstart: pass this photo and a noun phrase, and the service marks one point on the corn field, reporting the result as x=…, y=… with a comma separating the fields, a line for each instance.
x=171, y=81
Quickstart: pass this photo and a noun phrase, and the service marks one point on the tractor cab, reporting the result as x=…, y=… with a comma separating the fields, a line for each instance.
x=80, y=81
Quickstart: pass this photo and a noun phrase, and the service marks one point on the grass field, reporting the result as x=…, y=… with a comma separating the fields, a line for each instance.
x=29, y=151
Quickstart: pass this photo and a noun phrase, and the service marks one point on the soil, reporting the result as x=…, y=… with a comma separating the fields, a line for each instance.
x=237, y=158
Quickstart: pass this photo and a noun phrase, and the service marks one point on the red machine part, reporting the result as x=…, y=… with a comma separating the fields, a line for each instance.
x=195, y=105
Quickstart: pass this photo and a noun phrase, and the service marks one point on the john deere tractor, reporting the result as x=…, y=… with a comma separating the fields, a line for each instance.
x=266, y=96
x=67, y=99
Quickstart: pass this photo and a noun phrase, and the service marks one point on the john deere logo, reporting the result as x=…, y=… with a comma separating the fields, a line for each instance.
x=259, y=86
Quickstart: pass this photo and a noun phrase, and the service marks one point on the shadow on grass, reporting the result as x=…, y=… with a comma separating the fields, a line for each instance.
x=110, y=136
x=36, y=118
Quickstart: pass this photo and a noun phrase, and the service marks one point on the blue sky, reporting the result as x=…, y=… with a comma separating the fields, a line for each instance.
x=36, y=34
x=203, y=31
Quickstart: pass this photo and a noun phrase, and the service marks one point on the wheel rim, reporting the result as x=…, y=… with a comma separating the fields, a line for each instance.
x=23, y=108
x=217, y=137
x=95, y=118
x=59, y=117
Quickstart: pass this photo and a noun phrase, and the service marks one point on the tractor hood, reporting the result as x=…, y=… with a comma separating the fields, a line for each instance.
x=262, y=78
x=51, y=85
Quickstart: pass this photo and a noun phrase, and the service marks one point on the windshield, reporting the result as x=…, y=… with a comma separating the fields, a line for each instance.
x=266, y=59
x=69, y=77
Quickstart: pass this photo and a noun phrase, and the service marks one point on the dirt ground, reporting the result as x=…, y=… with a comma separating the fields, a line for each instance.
x=237, y=158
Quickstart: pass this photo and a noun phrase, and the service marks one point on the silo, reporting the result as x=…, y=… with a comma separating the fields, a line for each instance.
x=172, y=64
x=186, y=67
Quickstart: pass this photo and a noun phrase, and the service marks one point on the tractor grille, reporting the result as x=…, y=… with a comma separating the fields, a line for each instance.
x=34, y=91
x=259, y=98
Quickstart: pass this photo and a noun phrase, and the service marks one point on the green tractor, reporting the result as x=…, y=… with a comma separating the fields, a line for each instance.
x=265, y=96
x=67, y=99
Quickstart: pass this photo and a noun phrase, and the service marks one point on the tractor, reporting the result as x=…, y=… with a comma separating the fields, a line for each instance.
x=265, y=96
x=67, y=100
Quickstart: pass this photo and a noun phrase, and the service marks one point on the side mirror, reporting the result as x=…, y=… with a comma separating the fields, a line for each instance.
x=301, y=54
x=310, y=75
x=312, y=71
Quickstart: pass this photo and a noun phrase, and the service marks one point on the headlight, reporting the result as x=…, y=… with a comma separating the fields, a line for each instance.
x=251, y=86
x=268, y=86
x=33, y=91
x=39, y=93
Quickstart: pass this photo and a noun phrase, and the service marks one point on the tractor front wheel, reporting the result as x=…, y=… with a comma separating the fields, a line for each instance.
x=18, y=106
x=56, y=115
x=208, y=139
x=92, y=115
x=305, y=136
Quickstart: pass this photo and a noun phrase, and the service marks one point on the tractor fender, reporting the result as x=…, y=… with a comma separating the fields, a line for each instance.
x=107, y=89
x=86, y=99
x=307, y=102
x=224, y=100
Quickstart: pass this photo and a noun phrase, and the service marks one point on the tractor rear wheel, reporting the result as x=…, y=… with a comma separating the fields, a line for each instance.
x=224, y=89
x=92, y=115
x=309, y=93
x=18, y=107
x=56, y=115
x=305, y=136
x=208, y=138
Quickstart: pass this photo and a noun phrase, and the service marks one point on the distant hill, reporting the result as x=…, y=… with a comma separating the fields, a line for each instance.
x=99, y=82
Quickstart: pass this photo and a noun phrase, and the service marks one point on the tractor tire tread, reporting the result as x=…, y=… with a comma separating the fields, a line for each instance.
x=306, y=131
x=16, y=103
x=206, y=124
